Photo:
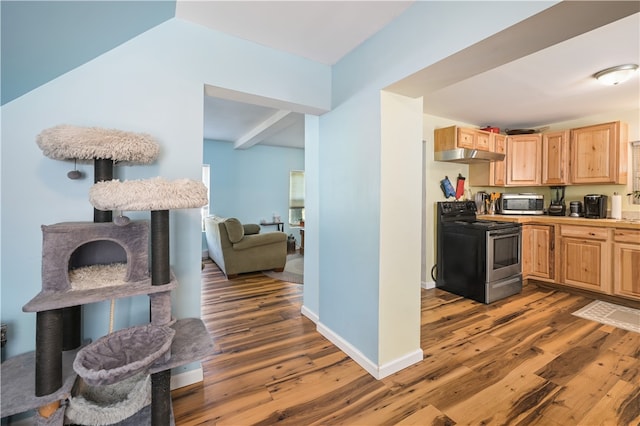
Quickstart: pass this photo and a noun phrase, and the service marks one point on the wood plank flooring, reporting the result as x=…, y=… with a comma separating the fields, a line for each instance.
x=524, y=360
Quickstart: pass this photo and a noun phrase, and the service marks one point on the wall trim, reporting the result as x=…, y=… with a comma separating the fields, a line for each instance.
x=401, y=363
x=187, y=378
x=428, y=284
x=377, y=371
x=309, y=314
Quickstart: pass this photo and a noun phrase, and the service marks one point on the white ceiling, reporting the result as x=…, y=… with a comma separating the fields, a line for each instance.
x=551, y=85
x=548, y=83
x=323, y=31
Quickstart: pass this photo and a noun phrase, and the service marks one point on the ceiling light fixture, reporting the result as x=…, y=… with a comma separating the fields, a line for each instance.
x=616, y=75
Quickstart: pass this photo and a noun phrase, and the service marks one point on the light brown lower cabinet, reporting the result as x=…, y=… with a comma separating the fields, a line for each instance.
x=585, y=257
x=626, y=263
x=596, y=258
x=538, y=251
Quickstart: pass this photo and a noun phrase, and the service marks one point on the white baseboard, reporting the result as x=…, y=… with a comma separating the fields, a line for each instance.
x=377, y=371
x=400, y=363
x=187, y=378
x=428, y=284
x=309, y=314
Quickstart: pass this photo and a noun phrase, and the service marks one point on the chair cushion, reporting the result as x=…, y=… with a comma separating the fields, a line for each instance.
x=251, y=228
x=256, y=240
x=235, y=230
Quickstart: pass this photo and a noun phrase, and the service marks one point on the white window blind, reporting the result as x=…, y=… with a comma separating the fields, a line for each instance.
x=296, y=197
x=296, y=189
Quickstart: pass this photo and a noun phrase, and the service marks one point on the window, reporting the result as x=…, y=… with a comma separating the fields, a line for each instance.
x=635, y=172
x=204, y=210
x=296, y=197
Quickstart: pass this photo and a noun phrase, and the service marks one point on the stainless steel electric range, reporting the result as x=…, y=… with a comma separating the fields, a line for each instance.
x=477, y=259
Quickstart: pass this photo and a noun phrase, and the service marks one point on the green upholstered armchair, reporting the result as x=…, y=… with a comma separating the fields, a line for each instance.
x=238, y=248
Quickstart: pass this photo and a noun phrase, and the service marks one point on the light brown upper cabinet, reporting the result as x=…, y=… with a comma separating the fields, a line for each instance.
x=599, y=154
x=524, y=160
x=459, y=137
x=497, y=169
x=555, y=158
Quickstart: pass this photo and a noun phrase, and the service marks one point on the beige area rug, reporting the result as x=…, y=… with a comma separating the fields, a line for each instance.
x=293, y=270
x=611, y=314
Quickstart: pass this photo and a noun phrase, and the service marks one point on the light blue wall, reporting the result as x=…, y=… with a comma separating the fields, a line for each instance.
x=251, y=184
x=350, y=145
x=312, y=218
x=154, y=84
x=349, y=221
x=44, y=39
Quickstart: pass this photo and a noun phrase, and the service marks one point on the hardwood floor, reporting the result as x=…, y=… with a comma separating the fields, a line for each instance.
x=524, y=360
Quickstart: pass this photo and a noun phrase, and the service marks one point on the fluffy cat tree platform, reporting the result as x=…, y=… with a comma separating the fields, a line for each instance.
x=66, y=142
x=148, y=194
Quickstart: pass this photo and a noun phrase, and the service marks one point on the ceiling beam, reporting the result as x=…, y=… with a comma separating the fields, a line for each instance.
x=248, y=98
x=271, y=126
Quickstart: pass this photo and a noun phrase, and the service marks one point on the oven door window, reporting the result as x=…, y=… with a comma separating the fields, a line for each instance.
x=503, y=258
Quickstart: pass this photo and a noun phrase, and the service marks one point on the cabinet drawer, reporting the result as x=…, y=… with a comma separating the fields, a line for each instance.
x=483, y=141
x=627, y=236
x=584, y=232
x=466, y=138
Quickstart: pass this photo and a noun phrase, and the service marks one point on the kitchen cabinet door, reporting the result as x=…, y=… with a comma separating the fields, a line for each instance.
x=497, y=169
x=483, y=140
x=555, y=158
x=599, y=154
x=626, y=263
x=460, y=137
x=538, y=252
x=524, y=160
x=585, y=258
x=466, y=138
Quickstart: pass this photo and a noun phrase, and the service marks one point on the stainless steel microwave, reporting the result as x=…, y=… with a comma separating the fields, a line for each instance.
x=521, y=204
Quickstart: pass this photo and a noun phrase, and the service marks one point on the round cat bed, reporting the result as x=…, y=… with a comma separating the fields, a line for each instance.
x=122, y=354
x=106, y=405
x=66, y=142
x=148, y=194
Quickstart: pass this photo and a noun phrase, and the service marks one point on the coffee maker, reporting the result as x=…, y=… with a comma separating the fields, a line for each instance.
x=557, y=206
x=595, y=206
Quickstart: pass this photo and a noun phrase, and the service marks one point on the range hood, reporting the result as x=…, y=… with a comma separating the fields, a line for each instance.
x=467, y=156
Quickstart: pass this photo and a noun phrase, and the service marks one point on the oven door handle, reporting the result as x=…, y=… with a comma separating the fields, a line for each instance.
x=504, y=232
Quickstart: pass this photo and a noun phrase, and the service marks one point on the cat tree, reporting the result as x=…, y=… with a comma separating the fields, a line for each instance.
x=124, y=377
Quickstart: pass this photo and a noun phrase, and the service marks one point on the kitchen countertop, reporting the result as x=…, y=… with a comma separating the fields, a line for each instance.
x=566, y=220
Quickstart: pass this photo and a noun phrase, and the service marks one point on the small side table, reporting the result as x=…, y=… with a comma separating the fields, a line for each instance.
x=279, y=225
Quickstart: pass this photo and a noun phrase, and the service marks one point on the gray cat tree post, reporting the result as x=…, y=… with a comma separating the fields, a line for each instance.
x=124, y=377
